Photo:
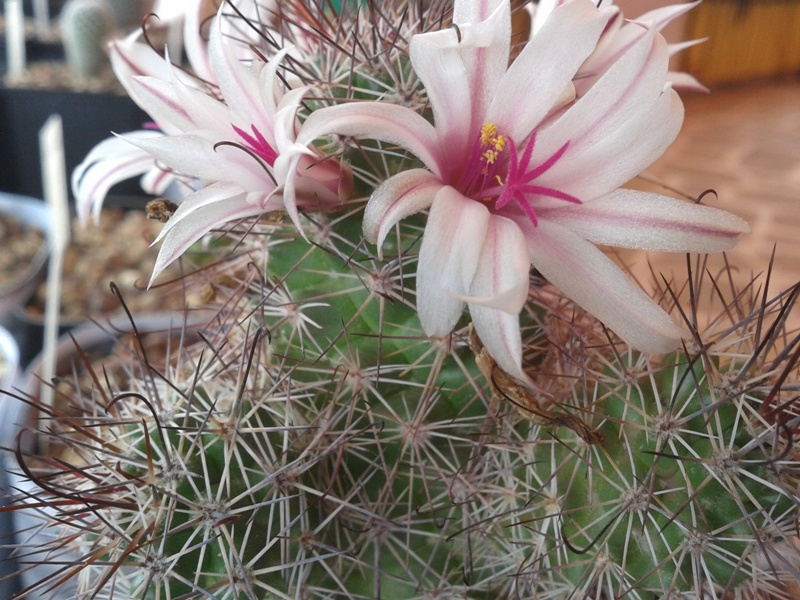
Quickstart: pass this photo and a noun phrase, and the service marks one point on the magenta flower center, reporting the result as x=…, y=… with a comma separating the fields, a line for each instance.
x=497, y=175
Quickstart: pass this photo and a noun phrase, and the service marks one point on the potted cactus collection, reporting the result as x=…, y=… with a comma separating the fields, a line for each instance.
x=415, y=374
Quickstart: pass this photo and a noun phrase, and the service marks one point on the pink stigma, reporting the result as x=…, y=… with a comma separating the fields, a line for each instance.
x=257, y=144
x=518, y=184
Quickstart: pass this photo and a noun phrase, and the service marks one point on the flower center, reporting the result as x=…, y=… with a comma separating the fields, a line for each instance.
x=486, y=166
x=496, y=174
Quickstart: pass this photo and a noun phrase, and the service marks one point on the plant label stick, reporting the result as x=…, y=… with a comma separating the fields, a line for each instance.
x=54, y=182
x=15, y=37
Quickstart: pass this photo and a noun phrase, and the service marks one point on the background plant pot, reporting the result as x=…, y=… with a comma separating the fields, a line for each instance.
x=88, y=119
x=94, y=340
x=117, y=249
x=29, y=333
x=33, y=213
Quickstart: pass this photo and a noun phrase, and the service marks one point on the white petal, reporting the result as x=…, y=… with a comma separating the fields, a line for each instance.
x=618, y=128
x=199, y=221
x=633, y=219
x=593, y=281
x=501, y=279
x=537, y=78
x=498, y=292
x=500, y=334
x=448, y=258
x=111, y=161
x=399, y=196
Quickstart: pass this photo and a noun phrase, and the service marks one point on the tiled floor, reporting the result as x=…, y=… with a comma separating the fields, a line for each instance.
x=743, y=142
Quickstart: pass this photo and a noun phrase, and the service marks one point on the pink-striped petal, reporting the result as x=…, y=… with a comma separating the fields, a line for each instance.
x=378, y=121
x=239, y=84
x=498, y=292
x=159, y=99
x=197, y=156
x=448, y=258
x=501, y=278
x=398, y=197
x=438, y=62
x=633, y=219
x=131, y=58
x=111, y=161
x=618, y=128
x=537, y=78
x=683, y=82
x=194, y=42
x=542, y=12
x=470, y=57
x=500, y=334
x=593, y=281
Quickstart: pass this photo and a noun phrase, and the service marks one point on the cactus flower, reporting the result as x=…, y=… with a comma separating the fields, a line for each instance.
x=518, y=170
x=225, y=139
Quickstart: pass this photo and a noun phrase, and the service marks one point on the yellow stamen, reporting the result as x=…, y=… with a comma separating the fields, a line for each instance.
x=488, y=131
x=493, y=143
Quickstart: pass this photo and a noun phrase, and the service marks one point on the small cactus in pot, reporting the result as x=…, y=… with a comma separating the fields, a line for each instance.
x=85, y=28
x=341, y=429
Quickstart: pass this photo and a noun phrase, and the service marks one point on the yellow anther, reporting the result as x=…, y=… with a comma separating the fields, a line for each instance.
x=488, y=131
x=492, y=142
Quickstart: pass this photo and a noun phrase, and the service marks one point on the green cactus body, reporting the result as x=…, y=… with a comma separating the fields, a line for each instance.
x=85, y=26
x=297, y=453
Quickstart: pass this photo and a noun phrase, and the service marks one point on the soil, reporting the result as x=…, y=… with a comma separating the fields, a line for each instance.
x=117, y=249
x=55, y=76
x=21, y=243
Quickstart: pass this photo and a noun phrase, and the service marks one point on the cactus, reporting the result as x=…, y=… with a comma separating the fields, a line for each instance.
x=85, y=25
x=312, y=442
x=315, y=444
